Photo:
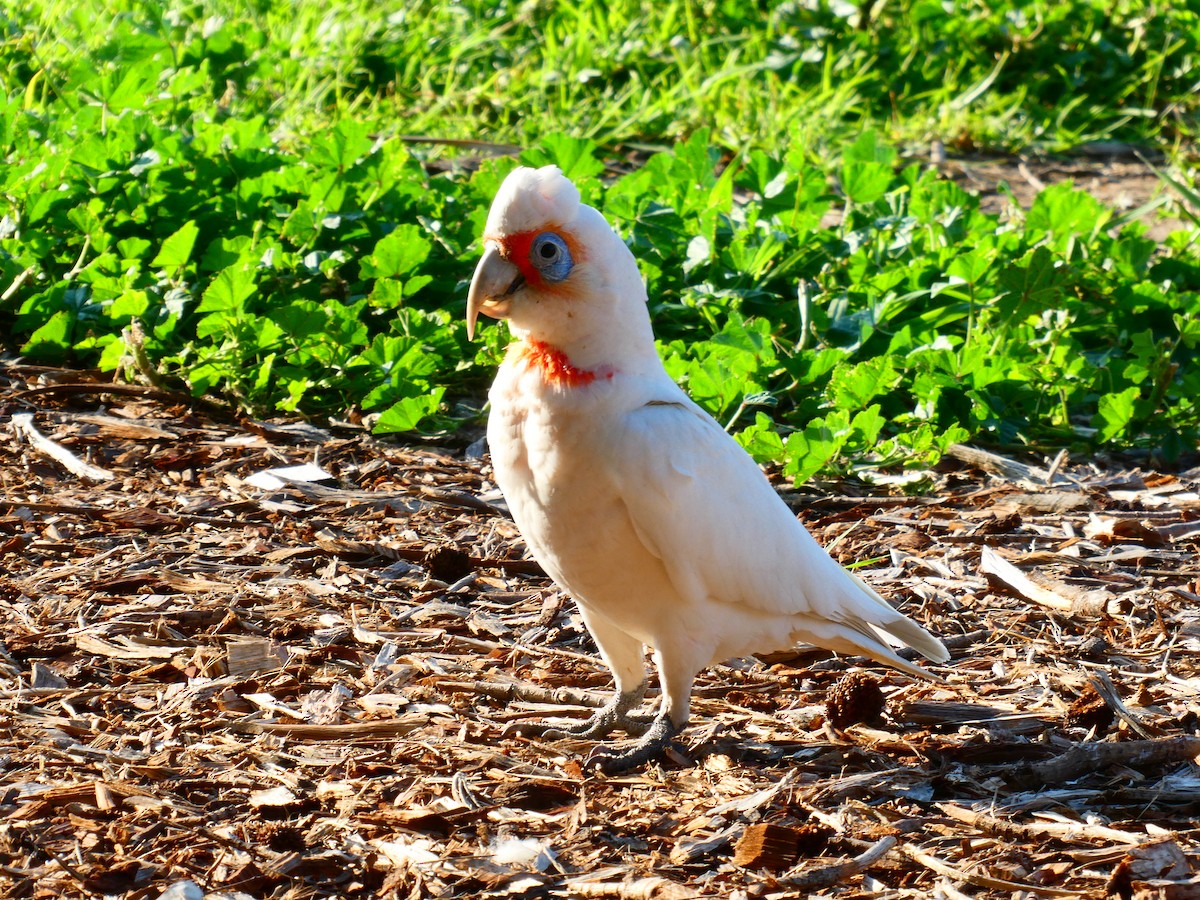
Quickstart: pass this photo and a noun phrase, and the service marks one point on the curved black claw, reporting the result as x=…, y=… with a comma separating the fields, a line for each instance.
x=651, y=746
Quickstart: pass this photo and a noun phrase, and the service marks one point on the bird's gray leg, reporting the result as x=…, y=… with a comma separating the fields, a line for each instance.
x=650, y=746
x=676, y=676
x=613, y=716
x=623, y=654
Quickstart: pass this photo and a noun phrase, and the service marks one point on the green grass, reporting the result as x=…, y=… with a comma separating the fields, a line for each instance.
x=997, y=76
x=224, y=190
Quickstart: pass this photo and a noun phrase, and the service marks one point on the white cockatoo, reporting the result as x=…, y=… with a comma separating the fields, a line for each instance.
x=634, y=500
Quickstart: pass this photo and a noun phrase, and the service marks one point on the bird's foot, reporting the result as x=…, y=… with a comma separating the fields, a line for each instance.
x=651, y=746
x=613, y=716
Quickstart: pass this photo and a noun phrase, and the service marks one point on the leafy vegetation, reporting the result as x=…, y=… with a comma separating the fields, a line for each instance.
x=223, y=192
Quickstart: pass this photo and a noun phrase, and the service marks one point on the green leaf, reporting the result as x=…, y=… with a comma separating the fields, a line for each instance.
x=1115, y=413
x=1033, y=284
x=398, y=253
x=229, y=291
x=574, y=156
x=868, y=149
x=177, y=249
x=408, y=413
x=761, y=440
x=867, y=169
x=853, y=387
x=52, y=339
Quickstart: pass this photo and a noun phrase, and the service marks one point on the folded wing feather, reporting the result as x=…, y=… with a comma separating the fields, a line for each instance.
x=701, y=505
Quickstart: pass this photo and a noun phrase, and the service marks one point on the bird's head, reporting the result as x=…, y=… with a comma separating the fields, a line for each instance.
x=555, y=269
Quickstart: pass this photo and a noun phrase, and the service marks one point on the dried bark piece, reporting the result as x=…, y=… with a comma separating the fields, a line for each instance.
x=838, y=872
x=1161, y=861
x=652, y=888
x=1089, y=710
x=766, y=845
x=1085, y=758
x=249, y=656
x=1111, y=531
x=773, y=846
x=1162, y=889
x=1050, y=502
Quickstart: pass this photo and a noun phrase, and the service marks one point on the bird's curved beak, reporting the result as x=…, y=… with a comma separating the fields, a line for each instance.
x=492, y=286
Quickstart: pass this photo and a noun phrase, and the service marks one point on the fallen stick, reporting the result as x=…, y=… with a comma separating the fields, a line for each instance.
x=377, y=729
x=981, y=879
x=510, y=690
x=132, y=390
x=1001, y=465
x=22, y=424
x=1024, y=832
x=652, y=888
x=827, y=876
x=1103, y=686
x=1061, y=597
x=1085, y=758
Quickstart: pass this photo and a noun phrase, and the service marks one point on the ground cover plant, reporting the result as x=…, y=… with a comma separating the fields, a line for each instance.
x=225, y=197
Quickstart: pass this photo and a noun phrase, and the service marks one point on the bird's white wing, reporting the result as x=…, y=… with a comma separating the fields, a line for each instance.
x=701, y=505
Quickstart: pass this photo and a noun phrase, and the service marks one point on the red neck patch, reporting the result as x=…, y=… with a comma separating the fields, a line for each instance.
x=552, y=363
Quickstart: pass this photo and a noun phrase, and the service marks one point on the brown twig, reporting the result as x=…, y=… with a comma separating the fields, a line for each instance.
x=981, y=879
x=1085, y=758
x=507, y=691
x=22, y=424
x=826, y=876
x=390, y=728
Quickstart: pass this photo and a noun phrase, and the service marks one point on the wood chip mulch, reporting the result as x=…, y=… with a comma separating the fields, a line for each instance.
x=214, y=685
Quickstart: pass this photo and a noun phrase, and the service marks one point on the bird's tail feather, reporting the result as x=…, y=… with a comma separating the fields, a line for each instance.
x=902, y=629
x=865, y=642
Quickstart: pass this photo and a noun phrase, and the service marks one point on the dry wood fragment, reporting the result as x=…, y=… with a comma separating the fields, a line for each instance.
x=1103, y=686
x=507, y=691
x=418, y=554
x=981, y=879
x=690, y=849
x=131, y=390
x=22, y=424
x=249, y=656
x=929, y=712
x=97, y=512
x=1059, y=596
x=1036, y=830
x=117, y=427
x=1085, y=758
x=1163, y=889
x=1000, y=465
x=1109, y=530
x=372, y=729
x=125, y=647
x=826, y=876
x=765, y=844
x=653, y=888
x=1051, y=502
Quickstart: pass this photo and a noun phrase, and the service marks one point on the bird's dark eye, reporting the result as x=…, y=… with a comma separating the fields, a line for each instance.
x=551, y=256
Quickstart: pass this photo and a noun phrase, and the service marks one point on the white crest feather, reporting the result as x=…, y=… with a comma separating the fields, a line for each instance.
x=530, y=199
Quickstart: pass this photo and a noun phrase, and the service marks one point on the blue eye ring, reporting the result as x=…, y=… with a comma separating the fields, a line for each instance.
x=550, y=255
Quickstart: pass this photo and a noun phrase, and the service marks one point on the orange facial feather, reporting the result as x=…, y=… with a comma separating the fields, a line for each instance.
x=515, y=248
